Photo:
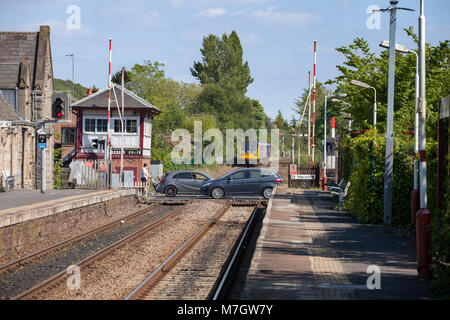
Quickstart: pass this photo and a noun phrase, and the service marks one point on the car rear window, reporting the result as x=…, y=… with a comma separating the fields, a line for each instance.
x=183, y=175
x=266, y=173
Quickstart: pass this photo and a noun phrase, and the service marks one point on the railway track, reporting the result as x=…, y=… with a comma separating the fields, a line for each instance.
x=112, y=272
x=35, y=255
x=202, y=265
x=25, y=266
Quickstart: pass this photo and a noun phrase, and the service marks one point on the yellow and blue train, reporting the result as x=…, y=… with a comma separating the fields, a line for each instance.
x=253, y=152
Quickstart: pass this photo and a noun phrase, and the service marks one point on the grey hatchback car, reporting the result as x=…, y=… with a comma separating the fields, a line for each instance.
x=182, y=182
x=252, y=182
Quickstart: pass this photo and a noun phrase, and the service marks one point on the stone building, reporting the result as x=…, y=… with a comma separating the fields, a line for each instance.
x=26, y=84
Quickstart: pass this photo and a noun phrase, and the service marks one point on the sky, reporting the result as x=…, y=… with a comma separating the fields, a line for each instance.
x=277, y=36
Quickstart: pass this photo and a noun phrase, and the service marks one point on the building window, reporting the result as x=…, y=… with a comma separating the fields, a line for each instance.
x=10, y=96
x=102, y=125
x=89, y=125
x=68, y=135
x=117, y=126
x=131, y=126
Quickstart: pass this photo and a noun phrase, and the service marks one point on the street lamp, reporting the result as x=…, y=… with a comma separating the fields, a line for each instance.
x=366, y=86
x=73, y=72
x=414, y=196
x=339, y=96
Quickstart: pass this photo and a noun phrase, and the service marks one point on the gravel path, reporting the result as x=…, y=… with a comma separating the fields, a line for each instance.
x=115, y=275
x=194, y=275
x=25, y=276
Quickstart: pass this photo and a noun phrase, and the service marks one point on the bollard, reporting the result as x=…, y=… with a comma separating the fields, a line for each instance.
x=423, y=236
x=415, y=205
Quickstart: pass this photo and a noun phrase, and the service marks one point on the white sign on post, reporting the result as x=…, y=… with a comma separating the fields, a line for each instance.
x=303, y=177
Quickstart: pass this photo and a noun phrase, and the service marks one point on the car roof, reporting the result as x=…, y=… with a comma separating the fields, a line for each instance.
x=189, y=171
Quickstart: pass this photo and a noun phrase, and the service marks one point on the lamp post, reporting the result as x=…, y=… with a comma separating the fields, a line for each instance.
x=366, y=86
x=325, y=137
x=389, y=155
x=73, y=73
x=415, y=198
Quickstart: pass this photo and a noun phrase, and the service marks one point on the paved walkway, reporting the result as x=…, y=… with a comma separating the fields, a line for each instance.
x=306, y=250
x=20, y=198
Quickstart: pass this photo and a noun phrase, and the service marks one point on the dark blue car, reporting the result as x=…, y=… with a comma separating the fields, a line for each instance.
x=250, y=182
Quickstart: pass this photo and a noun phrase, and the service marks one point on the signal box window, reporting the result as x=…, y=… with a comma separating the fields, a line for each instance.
x=102, y=125
x=68, y=135
x=131, y=126
x=89, y=125
x=117, y=126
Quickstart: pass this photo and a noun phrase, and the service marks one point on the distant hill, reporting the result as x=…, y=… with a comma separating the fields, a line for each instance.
x=80, y=91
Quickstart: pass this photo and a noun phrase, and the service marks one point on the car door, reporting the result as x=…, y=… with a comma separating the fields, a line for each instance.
x=254, y=182
x=194, y=184
x=182, y=181
x=236, y=183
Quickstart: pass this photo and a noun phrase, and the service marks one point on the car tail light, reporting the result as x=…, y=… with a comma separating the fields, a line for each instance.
x=278, y=180
x=163, y=180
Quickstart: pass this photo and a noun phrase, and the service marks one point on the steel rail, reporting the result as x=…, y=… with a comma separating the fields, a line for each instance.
x=58, y=279
x=153, y=278
x=237, y=250
x=34, y=255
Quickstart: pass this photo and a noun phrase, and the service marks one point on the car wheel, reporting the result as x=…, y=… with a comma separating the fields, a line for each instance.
x=267, y=193
x=170, y=191
x=217, y=193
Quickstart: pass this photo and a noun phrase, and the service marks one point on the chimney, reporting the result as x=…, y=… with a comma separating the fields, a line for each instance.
x=89, y=92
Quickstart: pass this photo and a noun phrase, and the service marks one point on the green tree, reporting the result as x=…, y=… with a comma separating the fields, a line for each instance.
x=222, y=63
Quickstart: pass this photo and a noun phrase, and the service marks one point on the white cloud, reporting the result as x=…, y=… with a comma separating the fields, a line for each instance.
x=212, y=12
x=251, y=40
x=238, y=13
x=273, y=15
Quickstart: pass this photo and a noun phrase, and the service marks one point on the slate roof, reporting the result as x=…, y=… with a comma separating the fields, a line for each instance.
x=6, y=111
x=100, y=99
x=15, y=46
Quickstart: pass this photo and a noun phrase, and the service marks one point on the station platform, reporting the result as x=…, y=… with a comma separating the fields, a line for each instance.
x=22, y=205
x=308, y=251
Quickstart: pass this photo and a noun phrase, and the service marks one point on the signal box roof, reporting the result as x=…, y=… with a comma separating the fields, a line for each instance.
x=100, y=100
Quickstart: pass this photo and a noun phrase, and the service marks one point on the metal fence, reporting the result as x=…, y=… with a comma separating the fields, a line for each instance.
x=304, y=177
x=89, y=174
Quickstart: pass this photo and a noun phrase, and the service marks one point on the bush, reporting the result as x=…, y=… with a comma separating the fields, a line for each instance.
x=364, y=166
